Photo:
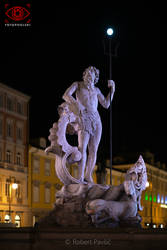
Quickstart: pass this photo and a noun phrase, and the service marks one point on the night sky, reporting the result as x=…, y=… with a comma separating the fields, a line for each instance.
x=42, y=61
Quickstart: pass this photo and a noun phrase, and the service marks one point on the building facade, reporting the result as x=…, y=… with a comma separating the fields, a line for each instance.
x=43, y=183
x=14, y=122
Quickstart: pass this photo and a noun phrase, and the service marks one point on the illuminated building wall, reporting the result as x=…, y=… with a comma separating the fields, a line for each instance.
x=42, y=183
x=14, y=122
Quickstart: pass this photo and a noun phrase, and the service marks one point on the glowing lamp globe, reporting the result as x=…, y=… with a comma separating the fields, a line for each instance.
x=14, y=185
x=110, y=31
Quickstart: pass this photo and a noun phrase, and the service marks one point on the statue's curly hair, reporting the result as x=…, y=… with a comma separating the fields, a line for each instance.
x=96, y=71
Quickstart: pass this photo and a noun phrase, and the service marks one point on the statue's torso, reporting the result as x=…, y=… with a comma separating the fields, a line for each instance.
x=87, y=97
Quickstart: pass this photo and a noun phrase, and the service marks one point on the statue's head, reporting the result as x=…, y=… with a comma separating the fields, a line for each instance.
x=138, y=174
x=91, y=74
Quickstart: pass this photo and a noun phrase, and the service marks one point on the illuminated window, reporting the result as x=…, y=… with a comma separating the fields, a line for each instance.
x=150, y=198
x=36, y=193
x=155, y=211
x=47, y=194
x=146, y=196
x=47, y=167
x=162, y=199
x=158, y=198
x=7, y=188
x=165, y=199
x=0, y=187
x=154, y=198
x=18, y=191
x=36, y=165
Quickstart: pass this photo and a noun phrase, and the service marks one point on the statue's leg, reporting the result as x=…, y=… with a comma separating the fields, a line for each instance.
x=83, y=138
x=93, y=147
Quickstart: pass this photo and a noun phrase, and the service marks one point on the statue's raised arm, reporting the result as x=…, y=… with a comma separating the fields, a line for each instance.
x=105, y=102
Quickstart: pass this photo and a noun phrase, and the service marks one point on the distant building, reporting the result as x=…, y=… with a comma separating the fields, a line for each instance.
x=43, y=182
x=14, y=123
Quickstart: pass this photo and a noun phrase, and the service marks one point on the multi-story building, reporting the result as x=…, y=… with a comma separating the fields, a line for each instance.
x=43, y=182
x=14, y=122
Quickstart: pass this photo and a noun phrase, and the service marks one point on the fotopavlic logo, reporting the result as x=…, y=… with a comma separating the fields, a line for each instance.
x=17, y=15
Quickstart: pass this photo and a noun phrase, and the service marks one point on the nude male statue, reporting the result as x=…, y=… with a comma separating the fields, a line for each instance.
x=90, y=126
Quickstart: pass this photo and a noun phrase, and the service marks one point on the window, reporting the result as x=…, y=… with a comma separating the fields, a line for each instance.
x=47, y=194
x=162, y=199
x=9, y=129
x=36, y=193
x=9, y=104
x=158, y=198
x=19, y=108
x=1, y=126
x=155, y=214
x=165, y=199
x=0, y=154
x=19, y=133
x=36, y=165
x=1, y=100
x=18, y=159
x=7, y=188
x=8, y=156
x=47, y=167
x=18, y=191
x=145, y=211
x=0, y=187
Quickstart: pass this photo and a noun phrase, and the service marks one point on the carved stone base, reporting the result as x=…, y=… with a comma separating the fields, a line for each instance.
x=70, y=208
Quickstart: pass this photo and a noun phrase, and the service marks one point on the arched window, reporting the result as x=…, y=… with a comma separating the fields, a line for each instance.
x=17, y=220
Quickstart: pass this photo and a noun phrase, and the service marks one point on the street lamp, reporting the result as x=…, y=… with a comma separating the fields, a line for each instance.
x=110, y=32
x=11, y=186
x=150, y=198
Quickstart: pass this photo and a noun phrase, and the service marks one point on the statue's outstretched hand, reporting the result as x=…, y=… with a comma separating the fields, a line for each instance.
x=111, y=84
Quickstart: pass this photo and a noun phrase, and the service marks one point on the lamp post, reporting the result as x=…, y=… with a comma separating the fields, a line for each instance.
x=11, y=186
x=150, y=198
x=110, y=32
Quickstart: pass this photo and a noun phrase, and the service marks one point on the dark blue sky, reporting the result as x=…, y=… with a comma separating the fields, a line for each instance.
x=44, y=60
